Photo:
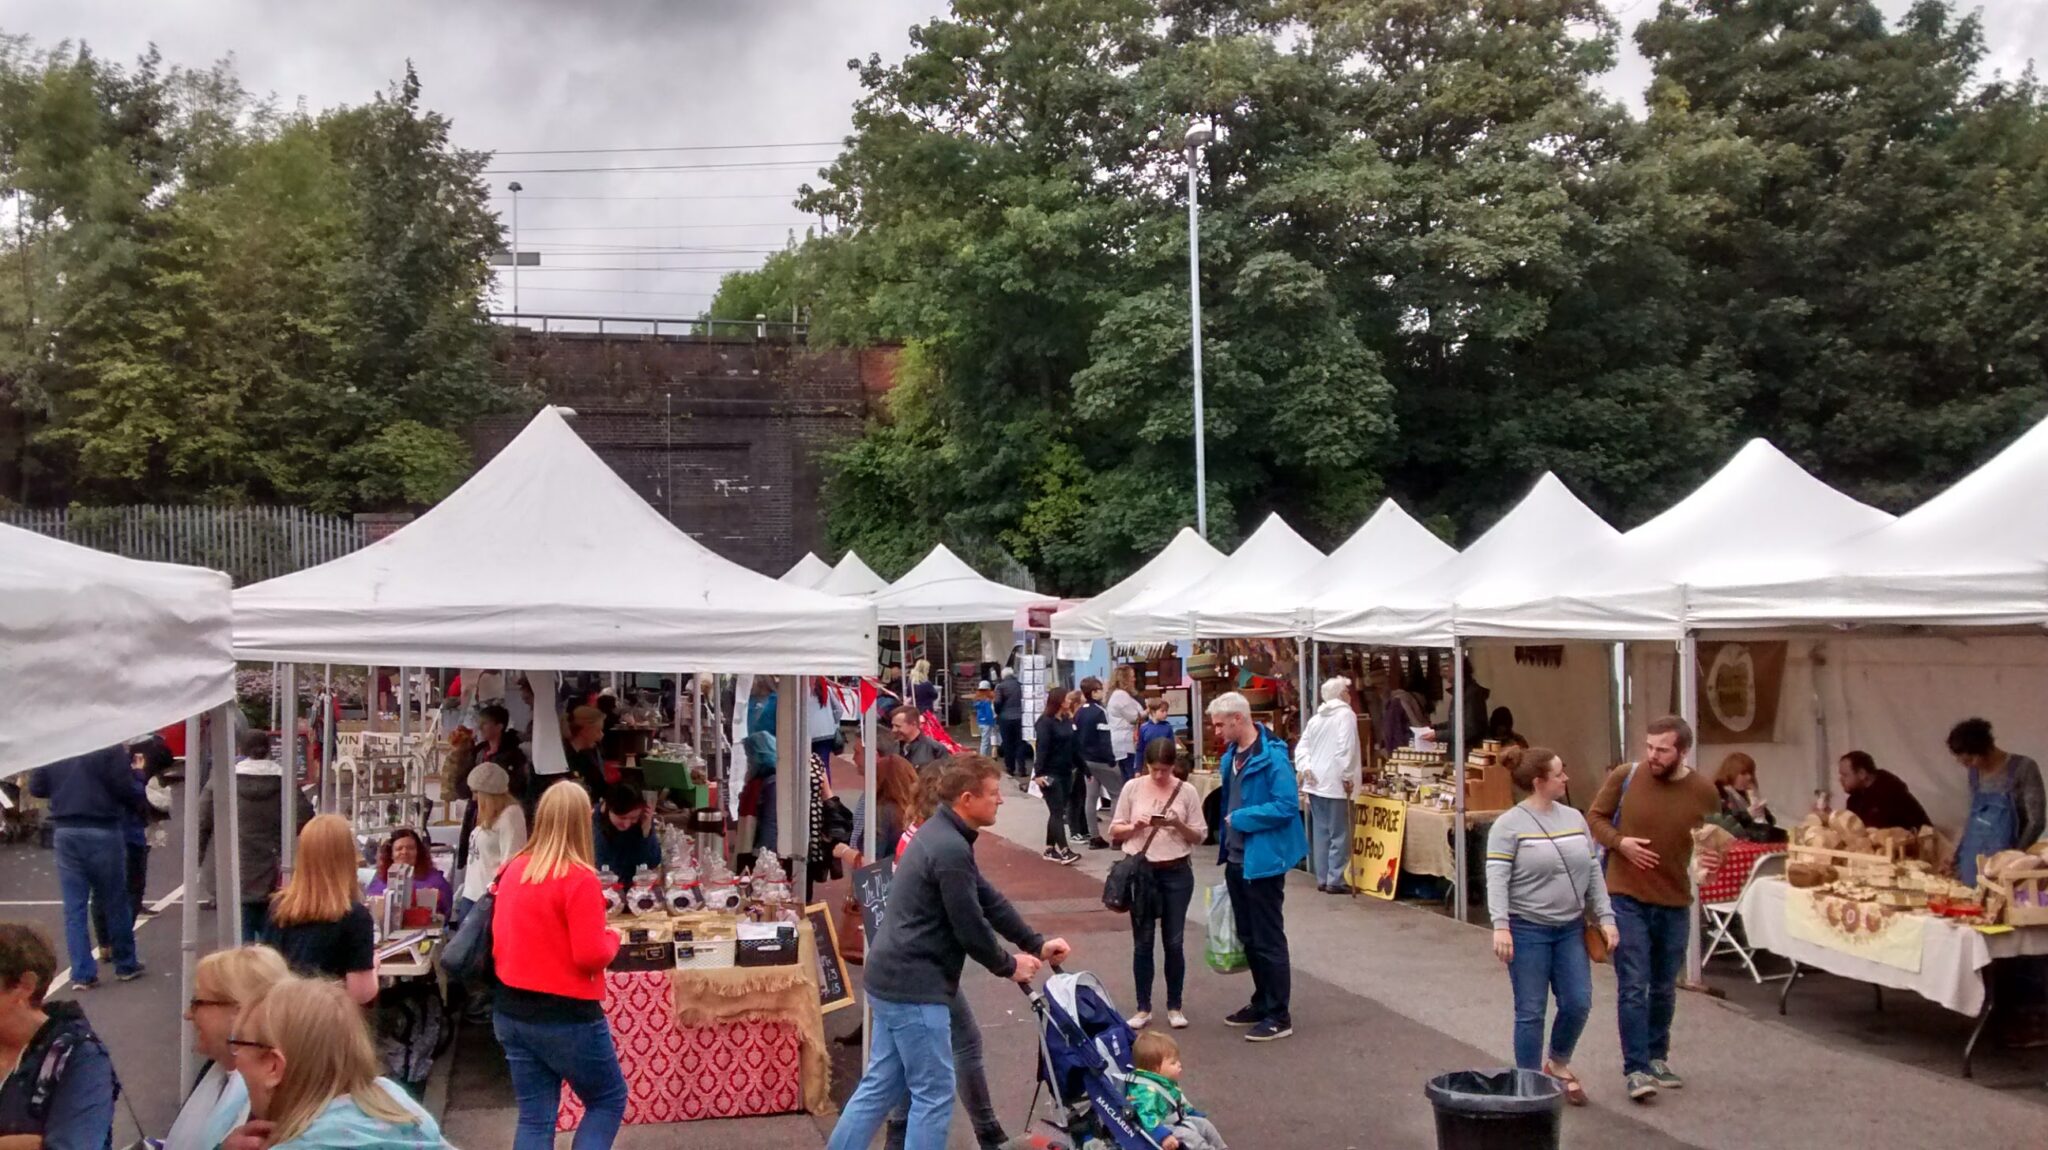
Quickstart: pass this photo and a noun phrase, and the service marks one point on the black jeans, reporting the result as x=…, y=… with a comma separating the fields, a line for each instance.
x=970, y=1082
x=1015, y=753
x=1056, y=799
x=1078, y=820
x=138, y=878
x=1262, y=928
x=1173, y=887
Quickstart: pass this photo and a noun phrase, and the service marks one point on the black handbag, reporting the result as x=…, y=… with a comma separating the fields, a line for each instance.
x=1130, y=881
x=466, y=956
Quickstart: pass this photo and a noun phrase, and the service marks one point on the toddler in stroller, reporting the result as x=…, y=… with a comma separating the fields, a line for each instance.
x=1156, y=1096
x=1085, y=1062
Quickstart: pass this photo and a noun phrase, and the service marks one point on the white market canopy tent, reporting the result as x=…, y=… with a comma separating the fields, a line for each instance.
x=852, y=576
x=808, y=572
x=1245, y=583
x=944, y=589
x=1420, y=613
x=1388, y=550
x=547, y=560
x=1758, y=513
x=1183, y=561
x=100, y=649
x=1975, y=555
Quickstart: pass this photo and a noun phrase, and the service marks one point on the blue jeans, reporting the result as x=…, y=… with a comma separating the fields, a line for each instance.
x=541, y=1055
x=1646, y=966
x=92, y=866
x=1549, y=960
x=988, y=740
x=909, y=1054
x=1329, y=838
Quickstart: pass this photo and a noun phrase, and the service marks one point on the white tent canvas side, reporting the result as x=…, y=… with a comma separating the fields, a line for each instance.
x=546, y=560
x=942, y=588
x=99, y=649
x=1268, y=559
x=1186, y=559
x=851, y=576
x=808, y=572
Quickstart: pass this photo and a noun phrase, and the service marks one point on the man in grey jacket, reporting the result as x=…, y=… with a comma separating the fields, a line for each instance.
x=1010, y=720
x=259, y=791
x=939, y=913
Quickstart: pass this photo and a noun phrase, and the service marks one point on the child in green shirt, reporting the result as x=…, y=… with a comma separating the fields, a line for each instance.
x=1155, y=1093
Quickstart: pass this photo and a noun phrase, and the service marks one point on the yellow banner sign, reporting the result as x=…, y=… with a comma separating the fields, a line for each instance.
x=1376, y=844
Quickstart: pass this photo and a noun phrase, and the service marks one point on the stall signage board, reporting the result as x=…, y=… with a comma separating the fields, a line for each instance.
x=835, y=988
x=871, y=887
x=1376, y=845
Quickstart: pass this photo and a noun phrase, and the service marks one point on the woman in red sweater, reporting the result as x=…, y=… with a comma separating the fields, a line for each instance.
x=550, y=946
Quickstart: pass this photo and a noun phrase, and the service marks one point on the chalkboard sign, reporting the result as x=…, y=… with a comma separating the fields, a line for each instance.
x=871, y=887
x=835, y=989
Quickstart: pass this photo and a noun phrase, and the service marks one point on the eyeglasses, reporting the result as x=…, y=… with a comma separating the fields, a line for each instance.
x=246, y=1043
x=196, y=1003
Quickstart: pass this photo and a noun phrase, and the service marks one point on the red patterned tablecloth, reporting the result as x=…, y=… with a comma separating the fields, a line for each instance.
x=1725, y=884
x=677, y=1073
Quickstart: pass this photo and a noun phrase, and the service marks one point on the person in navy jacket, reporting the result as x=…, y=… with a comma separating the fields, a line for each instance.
x=1262, y=839
x=91, y=797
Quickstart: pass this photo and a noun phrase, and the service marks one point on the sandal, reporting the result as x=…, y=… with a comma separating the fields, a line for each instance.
x=1574, y=1092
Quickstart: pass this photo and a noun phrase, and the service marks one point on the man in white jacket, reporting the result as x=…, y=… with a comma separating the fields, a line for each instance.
x=1330, y=764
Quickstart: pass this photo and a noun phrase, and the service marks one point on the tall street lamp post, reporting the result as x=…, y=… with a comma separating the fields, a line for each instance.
x=515, y=189
x=1198, y=134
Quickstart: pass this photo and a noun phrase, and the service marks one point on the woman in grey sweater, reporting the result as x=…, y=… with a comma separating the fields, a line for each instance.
x=1541, y=879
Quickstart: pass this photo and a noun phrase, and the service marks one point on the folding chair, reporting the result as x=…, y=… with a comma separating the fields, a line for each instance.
x=1720, y=919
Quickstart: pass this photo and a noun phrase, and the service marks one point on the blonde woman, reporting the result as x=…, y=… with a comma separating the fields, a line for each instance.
x=550, y=946
x=224, y=982
x=923, y=691
x=305, y=1054
x=318, y=921
x=1126, y=715
x=500, y=832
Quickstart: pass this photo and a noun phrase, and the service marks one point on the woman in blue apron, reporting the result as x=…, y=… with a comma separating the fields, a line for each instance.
x=2007, y=812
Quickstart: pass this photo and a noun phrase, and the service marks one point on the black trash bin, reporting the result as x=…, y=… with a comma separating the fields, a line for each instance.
x=1496, y=1110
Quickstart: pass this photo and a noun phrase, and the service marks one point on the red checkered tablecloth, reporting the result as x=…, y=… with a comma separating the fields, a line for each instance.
x=1725, y=884
x=677, y=1073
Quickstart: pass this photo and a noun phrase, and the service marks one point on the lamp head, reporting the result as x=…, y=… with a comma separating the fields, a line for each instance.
x=1199, y=133
x=514, y=187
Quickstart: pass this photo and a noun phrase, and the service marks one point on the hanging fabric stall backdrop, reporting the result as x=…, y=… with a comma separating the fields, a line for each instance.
x=547, y=560
x=1567, y=707
x=96, y=649
x=808, y=572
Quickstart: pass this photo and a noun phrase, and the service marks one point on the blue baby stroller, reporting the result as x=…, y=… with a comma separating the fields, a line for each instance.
x=1084, y=1062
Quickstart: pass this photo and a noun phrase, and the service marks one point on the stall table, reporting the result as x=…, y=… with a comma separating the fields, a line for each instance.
x=1949, y=970
x=720, y=1043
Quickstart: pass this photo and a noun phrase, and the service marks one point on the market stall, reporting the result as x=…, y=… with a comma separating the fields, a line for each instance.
x=547, y=561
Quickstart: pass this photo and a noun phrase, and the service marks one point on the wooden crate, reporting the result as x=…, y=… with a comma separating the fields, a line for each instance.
x=2025, y=897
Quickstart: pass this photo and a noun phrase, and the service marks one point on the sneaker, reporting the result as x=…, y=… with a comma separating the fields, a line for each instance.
x=1053, y=854
x=1667, y=1078
x=1070, y=858
x=1098, y=844
x=132, y=975
x=1177, y=1020
x=87, y=984
x=1243, y=1016
x=1140, y=1020
x=1641, y=1087
x=1270, y=1030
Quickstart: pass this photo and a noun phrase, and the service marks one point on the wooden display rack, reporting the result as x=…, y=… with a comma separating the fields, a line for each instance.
x=1850, y=861
x=2025, y=897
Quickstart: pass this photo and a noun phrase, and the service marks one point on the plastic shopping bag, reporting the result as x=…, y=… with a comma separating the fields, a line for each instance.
x=1224, y=954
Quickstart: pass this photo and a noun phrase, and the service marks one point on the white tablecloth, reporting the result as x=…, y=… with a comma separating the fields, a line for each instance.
x=1952, y=956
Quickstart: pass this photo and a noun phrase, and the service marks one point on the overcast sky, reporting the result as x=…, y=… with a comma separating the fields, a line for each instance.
x=524, y=75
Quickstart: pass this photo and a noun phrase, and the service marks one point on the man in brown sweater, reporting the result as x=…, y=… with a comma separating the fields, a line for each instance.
x=1644, y=816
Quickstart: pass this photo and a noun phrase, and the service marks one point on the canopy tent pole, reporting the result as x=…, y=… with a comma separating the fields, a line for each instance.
x=227, y=813
x=867, y=744
x=326, y=727
x=372, y=704
x=188, y=899
x=945, y=683
x=788, y=733
x=1196, y=717
x=1688, y=709
x=288, y=734
x=675, y=728
x=903, y=680
x=1301, y=677
x=404, y=739
x=1458, y=771
x=1618, y=679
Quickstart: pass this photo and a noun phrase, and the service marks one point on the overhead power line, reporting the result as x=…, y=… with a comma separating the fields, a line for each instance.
x=719, y=196
x=746, y=166
x=662, y=227
x=624, y=291
x=624, y=268
x=674, y=148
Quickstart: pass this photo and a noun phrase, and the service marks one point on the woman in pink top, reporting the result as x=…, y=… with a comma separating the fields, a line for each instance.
x=1160, y=817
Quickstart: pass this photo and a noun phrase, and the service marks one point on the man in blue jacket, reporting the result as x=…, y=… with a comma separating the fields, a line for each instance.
x=1262, y=840
x=90, y=796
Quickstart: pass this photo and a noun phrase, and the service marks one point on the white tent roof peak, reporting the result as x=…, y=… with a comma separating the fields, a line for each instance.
x=99, y=648
x=546, y=560
x=1549, y=520
x=1387, y=550
x=1761, y=513
x=1185, y=559
x=808, y=572
x=1269, y=558
x=942, y=588
x=852, y=576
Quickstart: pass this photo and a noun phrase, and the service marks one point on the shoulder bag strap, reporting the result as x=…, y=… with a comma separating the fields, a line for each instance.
x=1583, y=894
x=1156, y=828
